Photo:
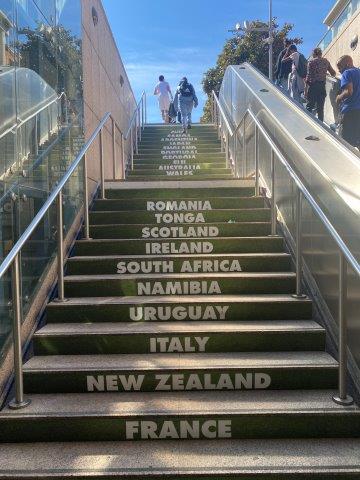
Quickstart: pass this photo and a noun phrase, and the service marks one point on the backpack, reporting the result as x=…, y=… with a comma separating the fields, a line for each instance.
x=186, y=89
x=302, y=66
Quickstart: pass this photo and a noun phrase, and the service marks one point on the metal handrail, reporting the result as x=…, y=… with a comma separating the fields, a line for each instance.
x=345, y=255
x=137, y=122
x=230, y=130
x=33, y=115
x=13, y=258
x=52, y=197
x=133, y=118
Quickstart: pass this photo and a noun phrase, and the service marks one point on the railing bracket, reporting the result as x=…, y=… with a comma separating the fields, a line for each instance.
x=14, y=405
x=345, y=402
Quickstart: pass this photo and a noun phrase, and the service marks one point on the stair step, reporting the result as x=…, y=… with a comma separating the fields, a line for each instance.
x=207, y=216
x=335, y=458
x=180, y=284
x=162, y=246
x=110, y=264
x=181, y=337
x=155, y=164
x=198, y=150
x=177, y=308
x=182, y=190
x=176, y=231
x=181, y=416
x=180, y=178
x=174, y=204
x=86, y=373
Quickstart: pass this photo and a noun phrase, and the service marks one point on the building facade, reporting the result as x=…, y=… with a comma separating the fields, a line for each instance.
x=342, y=37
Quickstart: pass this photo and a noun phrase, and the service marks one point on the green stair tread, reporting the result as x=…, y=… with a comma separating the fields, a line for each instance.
x=183, y=403
x=184, y=362
x=337, y=459
x=175, y=300
x=184, y=276
x=179, y=328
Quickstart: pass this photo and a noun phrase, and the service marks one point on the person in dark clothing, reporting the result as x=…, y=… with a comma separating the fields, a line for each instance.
x=283, y=70
x=349, y=101
x=315, y=90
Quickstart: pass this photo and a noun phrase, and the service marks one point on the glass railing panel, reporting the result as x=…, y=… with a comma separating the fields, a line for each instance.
x=39, y=250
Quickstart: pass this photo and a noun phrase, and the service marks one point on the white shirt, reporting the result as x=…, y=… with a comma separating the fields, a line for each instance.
x=162, y=88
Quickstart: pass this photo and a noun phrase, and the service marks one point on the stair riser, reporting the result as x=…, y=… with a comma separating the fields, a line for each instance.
x=205, y=264
x=217, y=165
x=158, y=311
x=181, y=231
x=185, y=286
x=213, y=216
x=186, y=193
x=175, y=246
x=200, y=150
x=142, y=204
x=273, y=378
x=180, y=172
x=160, y=157
x=185, y=427
x=193, y=343
x=180, y=178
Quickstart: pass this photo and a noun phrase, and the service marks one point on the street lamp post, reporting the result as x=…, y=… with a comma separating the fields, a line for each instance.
x=270, y=40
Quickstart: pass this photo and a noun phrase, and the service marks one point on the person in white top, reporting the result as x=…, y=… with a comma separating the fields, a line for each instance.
x=163, y=92
x=296, y=82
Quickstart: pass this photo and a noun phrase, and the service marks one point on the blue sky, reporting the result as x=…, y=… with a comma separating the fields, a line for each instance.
x=184, y=37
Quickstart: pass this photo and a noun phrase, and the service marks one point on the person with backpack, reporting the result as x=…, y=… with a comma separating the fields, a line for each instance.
x=318, y=67
x=184, y=101
x=163, y=92
x=298, y=72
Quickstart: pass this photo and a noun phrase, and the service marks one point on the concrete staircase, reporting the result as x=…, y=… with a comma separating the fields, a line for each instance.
x=180, y=351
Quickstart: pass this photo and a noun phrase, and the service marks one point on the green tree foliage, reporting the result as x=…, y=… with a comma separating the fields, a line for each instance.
x=245, y=47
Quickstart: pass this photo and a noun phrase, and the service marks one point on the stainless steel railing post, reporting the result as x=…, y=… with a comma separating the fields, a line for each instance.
x=19, y=400
x=140, y=125
x=343, y=398
x=257, y=173
x=273, y=196
x=145, y=97
x=244, y=151
x=137, y=133
x=298, y=245
x=227, y=146
x=123, y=156
x=60, y=247
x=142, y=113
x=114, y=147
x=132, y=149
x=102, y=172
x=86, y=202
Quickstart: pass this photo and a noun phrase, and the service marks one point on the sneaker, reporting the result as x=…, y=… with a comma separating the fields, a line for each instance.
x=189, y=126
x=184, y=130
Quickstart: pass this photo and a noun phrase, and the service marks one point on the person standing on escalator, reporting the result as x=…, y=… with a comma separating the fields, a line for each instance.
x=349, y=101
x=283, y=70
x=317, y=69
